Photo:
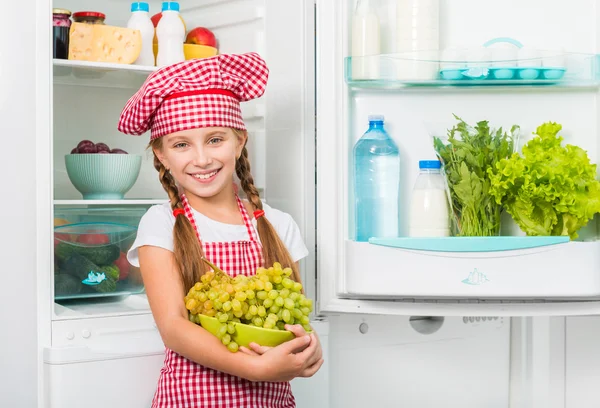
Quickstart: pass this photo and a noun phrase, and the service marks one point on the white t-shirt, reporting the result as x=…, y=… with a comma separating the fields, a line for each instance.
x=156, y=229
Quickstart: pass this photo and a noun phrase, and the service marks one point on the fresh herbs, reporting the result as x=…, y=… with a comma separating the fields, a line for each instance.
x=467, y=154
x=549, y=189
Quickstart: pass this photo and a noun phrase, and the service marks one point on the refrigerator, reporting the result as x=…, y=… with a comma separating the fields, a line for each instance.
x=397, y=325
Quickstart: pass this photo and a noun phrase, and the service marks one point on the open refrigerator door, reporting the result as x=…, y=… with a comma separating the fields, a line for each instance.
x=94, y=317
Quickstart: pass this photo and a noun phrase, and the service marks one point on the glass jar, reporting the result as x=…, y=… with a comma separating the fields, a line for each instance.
x=89, y=17
x=61, y=24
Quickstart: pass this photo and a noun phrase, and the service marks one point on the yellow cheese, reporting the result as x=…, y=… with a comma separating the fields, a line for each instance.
x=102, y=43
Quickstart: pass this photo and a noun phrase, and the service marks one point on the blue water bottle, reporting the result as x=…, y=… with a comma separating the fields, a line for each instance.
x=376, y=183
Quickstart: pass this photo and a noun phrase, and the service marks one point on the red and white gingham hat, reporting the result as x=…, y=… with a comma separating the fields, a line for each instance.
x=197, y=93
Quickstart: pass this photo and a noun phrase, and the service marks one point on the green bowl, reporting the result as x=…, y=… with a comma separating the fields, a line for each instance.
x=103, y=176
x=245, y=334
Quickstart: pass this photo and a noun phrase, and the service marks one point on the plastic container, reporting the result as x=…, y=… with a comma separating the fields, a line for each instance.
x=365, y=41
x=89, y=17
x=170, y=33
x=417, y=30
x=429, y=209
x=376, y=183
x=140, y=20
x=89, y=252
x=103, y=176
x=61, y=24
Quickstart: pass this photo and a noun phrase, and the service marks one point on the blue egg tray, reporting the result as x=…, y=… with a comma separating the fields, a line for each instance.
x=504, y=73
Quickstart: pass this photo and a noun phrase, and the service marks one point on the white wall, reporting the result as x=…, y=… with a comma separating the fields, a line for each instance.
x=18, y=302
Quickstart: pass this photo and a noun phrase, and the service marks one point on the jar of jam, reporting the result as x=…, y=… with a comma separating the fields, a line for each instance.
x=61, y=24
x=89, y=17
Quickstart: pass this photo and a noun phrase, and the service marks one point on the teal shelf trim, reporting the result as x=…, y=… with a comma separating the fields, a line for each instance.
x=469, y=244
x=407, y=70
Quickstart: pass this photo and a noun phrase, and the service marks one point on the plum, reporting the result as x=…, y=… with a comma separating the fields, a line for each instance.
x=102, y=147
x=103, y=152
x=118, y=151
x=74, y=151
x=84, y=143
x=87, y=149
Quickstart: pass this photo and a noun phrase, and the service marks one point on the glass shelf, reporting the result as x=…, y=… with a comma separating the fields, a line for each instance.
x=85, y=73
x=427, y=69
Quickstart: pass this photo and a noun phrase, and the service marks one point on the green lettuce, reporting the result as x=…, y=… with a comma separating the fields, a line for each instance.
x=549, y=189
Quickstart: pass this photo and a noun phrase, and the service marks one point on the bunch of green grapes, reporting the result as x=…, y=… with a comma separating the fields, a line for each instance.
x=269, y=299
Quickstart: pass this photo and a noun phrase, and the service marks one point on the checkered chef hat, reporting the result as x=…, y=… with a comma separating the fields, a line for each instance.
x=197, y=93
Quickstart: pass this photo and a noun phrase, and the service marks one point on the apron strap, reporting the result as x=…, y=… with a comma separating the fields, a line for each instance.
x=252, y=233
x=190, y=215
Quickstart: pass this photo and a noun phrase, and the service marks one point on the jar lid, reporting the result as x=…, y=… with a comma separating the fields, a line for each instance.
x=430, y=164
x=61, y=11
x=96, y=14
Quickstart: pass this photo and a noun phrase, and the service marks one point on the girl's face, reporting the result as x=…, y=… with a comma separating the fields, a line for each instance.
x=202, y=161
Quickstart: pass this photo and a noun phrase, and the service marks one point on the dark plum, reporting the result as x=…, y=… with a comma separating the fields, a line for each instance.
x=88, y=149
x=118, y=151
x=85, y=143
x=102, y=147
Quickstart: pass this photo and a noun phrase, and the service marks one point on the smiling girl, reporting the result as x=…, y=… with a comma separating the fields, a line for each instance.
x=199, y=140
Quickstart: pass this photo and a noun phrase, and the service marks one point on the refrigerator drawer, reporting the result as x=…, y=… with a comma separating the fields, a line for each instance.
x=122, y=382
x=561, y=271
x=104, y=338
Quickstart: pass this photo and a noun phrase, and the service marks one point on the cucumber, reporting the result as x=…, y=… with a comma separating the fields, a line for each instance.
x=100, y=255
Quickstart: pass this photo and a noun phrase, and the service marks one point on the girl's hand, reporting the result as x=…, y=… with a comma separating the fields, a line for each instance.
x=301, y=357
x=256, y=349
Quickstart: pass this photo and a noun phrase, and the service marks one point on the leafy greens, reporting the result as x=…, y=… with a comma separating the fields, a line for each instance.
x=549, y=189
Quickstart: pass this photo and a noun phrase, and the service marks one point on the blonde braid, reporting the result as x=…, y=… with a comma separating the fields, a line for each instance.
x=186, y=246
x=273, y=248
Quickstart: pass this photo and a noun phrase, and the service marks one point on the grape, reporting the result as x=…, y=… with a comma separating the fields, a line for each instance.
x=270, y=299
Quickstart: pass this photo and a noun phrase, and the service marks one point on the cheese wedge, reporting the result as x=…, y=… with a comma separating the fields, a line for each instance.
x=103, y=43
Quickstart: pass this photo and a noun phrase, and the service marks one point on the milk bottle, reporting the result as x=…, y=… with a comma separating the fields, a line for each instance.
x=140, y=20
x=365, y=42
x=429, y=209
x=170, y=33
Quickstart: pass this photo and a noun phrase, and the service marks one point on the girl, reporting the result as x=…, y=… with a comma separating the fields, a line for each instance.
x=198, y=139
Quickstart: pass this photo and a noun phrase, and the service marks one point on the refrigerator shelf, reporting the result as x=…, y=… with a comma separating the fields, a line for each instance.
x=99, y=74
x=507, y=269
x=429, y=69
x=133, y=201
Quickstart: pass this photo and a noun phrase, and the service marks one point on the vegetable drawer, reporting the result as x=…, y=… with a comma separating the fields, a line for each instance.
x=472, y=268
x=90, y=246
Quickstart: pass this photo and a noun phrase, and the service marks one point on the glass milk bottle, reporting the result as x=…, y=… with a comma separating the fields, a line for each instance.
x=429, y=209
x=365, y=41
x=376, y=183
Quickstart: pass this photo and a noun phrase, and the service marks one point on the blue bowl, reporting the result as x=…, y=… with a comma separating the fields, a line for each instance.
x=103, y=176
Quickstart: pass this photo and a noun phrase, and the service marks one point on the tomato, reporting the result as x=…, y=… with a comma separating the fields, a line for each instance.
x=123, y=264
x=59, y=237
x=93, y=239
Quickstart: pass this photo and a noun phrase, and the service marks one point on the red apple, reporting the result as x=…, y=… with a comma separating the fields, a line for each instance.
x=201, y=36
x=156, y=18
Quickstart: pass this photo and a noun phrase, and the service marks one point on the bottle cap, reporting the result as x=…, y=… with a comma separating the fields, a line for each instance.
x=376, y=118
x=430, y=164
x=170, y=5
x=140, y=6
